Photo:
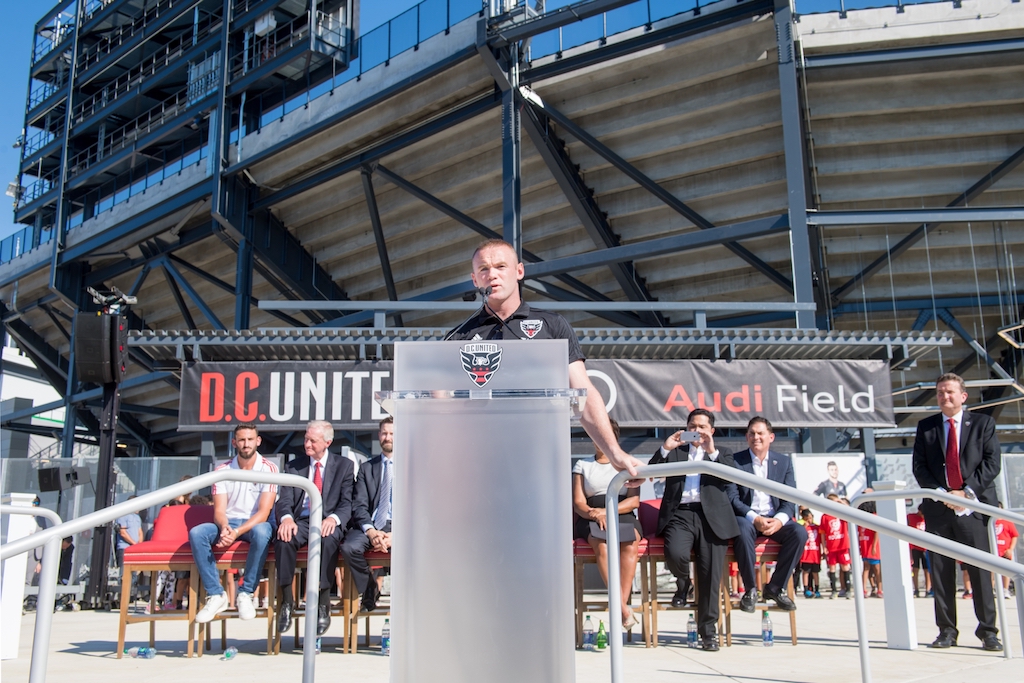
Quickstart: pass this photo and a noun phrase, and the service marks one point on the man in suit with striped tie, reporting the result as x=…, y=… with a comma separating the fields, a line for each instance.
x=371, y=515
x=958, y=452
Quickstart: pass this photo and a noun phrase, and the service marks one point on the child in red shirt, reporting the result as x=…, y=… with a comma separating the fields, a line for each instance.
x=919, y=556
x=1006, y=540
x=869, y=552
x=837, y=549
x=810, y=561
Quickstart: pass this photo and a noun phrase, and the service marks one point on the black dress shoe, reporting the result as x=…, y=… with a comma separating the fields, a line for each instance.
x=748, y=603
x=679, y=599
x=323, y=619
x=709, y=643
x=284, y=617
x=370, y=598
x=990, y=643
x=945, y=639
x=781, y=599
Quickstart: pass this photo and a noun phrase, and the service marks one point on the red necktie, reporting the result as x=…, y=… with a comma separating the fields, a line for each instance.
x=318, y=481
x=953, y=476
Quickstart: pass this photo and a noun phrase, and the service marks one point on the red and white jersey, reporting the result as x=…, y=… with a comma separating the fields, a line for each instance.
x=868, y=543
x=812, y=549
x=916, y=520
x=836, y=535
x=1005, y=531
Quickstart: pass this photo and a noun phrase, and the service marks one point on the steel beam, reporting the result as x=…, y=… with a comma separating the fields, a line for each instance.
x=243, y=283
x=178, y=299
x=527, y=256
x=654, y=188
x=378, y=236
x=912, y=53
x=193, y=294
x=581, y=199
x=563, y=16
x=453, y=117
x=662, y=245
x=899, y=216
x=151, y=250
x=887, y=305
x=904, y=244
x=796, y=164
x=954, y=324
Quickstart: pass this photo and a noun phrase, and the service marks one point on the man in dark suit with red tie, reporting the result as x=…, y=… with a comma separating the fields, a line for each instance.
x=371, y=516
x=333, y=475
x=958, y=452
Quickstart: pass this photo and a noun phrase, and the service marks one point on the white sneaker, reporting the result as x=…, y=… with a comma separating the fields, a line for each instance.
x=215, y=604
x=246, y=610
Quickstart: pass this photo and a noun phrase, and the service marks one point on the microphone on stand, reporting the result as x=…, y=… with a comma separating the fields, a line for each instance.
x=484, y=292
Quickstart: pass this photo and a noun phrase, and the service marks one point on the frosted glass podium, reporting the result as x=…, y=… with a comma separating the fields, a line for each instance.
x=482, y=542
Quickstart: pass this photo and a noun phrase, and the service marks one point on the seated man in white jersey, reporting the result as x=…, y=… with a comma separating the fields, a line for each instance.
x=241, y=512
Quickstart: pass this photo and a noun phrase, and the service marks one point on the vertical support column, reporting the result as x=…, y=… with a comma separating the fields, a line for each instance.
x=867, y=438
x=219, y=119
x=796, y=180
x=511, y=157
x=244, y=264
x=101, y=537
x=900, y=622
x=67, y=447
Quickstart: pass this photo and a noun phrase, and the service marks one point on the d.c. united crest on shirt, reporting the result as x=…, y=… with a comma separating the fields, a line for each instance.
x=480, y=361
x=531, y=328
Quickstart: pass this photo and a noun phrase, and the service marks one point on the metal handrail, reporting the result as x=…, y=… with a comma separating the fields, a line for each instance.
x=977, y=506
x=44, y=618
x=47, y=588
x=849, y=514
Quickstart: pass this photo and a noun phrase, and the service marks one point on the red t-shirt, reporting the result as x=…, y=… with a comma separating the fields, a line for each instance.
x=868, y=543
x=1005, y=531
x=916, y=520
x=812, y=549
x=836, y=535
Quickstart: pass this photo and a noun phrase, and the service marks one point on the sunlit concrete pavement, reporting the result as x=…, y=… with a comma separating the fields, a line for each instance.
x=83, y=651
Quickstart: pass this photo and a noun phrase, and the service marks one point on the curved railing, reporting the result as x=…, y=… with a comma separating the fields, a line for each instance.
x=51, y=554
x=853, y=516
x=992, y=511
x=47, y=588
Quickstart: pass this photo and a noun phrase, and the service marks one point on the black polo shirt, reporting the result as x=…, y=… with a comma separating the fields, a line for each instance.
x=525, y=323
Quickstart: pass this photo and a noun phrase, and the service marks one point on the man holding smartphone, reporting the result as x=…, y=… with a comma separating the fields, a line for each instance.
x=696, y=514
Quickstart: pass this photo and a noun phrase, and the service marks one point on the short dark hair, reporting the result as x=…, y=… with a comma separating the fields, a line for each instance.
x=245, y=425
x=700, y=411
x=386, y=421
x=496, y=242
x=951, y=377
x=831, y=463
x=763, y=420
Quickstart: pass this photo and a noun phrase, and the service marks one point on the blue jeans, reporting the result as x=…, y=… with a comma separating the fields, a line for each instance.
x=204, y=536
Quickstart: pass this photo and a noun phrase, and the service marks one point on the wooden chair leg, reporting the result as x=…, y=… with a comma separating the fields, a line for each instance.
x=577, y=598
x=126, y=590
x=152, y=608
x=273, y=644
x=791, y=591
x=654, y=602
x=645, y=604
x=193, y=598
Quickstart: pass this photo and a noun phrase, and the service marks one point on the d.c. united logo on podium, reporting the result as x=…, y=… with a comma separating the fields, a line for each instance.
x=480, y=361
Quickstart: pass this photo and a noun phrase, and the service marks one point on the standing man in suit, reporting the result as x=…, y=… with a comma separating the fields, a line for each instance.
x=958, y=452
x=757, y=513
x=333, y=476
x=371, y=515
x=697, y=513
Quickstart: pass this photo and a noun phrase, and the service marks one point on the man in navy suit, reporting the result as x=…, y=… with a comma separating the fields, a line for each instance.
x=371, y=516
x=758, y=513
x=958, y=452
x=333, y=475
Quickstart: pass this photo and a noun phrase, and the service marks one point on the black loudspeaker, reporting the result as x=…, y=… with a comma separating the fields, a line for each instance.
x=101, y=348
x=55, y=479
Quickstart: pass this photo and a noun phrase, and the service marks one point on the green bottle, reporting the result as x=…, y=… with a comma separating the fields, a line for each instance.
x=602, y=636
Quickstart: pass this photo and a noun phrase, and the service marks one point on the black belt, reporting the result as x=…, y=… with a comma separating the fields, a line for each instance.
x=689, y=506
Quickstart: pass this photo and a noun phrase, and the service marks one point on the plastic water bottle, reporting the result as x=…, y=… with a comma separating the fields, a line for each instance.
x=767, y=637
x=230, y=652
x=318, y=645
x=602, y=637
x=588, y=634
x=141, y=652
x=385, y=638
x=691, y=632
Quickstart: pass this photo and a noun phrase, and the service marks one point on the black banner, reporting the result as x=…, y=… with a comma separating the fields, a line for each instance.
x=285, y=395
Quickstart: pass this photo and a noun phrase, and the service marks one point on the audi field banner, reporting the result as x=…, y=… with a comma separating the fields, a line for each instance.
x=285, y=395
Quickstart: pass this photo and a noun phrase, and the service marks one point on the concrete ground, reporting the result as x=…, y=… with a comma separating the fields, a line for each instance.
x=83, y=651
